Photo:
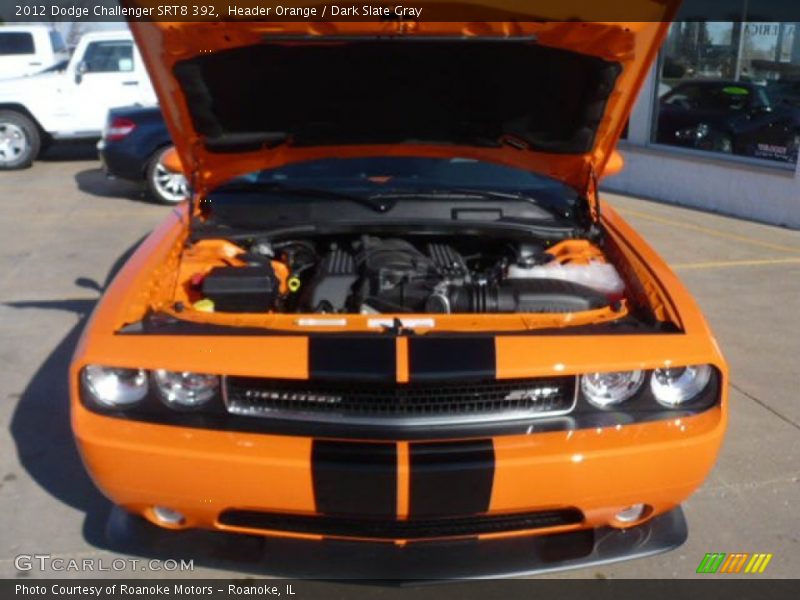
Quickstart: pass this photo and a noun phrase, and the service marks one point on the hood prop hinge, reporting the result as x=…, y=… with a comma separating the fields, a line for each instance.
x=194, y=179
x=592, y=194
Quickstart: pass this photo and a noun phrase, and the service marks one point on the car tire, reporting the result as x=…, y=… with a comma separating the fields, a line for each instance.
x=20, y=140
x=164, y=186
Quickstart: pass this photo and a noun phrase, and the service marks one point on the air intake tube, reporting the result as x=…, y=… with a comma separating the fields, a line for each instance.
x=516, y=295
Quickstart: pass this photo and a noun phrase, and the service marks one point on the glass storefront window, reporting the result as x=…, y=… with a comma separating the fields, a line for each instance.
x=731, y=88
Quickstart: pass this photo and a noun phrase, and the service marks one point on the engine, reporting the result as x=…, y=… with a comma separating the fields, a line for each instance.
x=376, y=275
x=398, y=277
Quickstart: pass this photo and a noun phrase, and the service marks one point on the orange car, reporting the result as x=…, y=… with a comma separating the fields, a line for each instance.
x=395, y=329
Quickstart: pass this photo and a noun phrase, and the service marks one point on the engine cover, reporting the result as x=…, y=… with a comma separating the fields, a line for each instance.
x=391, y=262
x=398, y=277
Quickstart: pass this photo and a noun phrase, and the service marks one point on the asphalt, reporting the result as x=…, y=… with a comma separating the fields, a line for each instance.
x=65, y=228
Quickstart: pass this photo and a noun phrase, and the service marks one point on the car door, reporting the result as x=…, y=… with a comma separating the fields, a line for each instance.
x=106, y=77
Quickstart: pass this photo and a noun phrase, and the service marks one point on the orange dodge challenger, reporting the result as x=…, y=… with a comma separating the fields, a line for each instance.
x=395, y=330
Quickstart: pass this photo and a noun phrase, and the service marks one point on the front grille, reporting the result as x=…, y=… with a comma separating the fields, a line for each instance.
x=400, y=404
x=411, y=529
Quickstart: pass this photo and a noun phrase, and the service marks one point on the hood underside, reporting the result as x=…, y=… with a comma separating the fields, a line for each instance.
x=389, y=91
x=550, y=97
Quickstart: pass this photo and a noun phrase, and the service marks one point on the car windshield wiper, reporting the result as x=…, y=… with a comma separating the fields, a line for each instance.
x=376, y=203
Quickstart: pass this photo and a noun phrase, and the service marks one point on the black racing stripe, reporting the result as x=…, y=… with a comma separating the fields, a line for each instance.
x=352, y=358
x=432, y=358
x=451, y=478
x=354, y=478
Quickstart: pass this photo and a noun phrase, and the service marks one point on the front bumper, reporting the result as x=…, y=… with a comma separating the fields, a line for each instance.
x=206, y=475
x=464, y=559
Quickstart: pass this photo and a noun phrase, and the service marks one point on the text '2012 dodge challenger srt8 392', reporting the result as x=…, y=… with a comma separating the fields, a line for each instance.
x=395, y=318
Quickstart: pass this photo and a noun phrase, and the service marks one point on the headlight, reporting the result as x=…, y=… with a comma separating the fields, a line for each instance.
x=115, y=388
x=184, y=389
x=608, y=389
x=672, y=387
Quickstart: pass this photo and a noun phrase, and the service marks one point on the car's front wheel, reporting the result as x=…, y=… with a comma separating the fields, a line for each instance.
x=165, y=186
x=20, y=140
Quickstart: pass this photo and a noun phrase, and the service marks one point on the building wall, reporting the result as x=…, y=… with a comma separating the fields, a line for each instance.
x=742, y=187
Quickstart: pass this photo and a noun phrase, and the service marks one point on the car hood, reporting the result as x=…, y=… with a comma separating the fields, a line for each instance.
x=543, y=95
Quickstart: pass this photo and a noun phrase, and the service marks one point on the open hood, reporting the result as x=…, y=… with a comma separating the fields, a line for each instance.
x=545, y=96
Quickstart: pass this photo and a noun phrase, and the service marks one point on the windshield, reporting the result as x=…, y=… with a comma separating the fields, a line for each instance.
x=390, y=189
x=410, y=175
x=719, y=98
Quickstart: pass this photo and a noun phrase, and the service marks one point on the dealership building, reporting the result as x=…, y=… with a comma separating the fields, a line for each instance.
x=717, y=123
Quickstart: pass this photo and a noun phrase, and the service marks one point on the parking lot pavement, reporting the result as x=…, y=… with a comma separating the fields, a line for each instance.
x=64, y=228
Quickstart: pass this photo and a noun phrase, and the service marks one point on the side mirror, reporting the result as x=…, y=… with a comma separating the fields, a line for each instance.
x=172, y=162
x=614, y=164
x=80, y=70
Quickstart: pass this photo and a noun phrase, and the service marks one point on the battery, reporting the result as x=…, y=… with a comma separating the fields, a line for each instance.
x=247, y=289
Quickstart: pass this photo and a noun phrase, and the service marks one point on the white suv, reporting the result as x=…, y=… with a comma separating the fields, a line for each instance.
x=105, y=71
x=25, y=50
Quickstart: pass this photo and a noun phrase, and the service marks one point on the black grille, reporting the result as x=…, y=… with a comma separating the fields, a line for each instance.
x=400, y=403
x=412, y=529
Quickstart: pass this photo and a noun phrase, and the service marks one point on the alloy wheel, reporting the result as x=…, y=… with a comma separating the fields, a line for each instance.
x=13, y=142
x=171, y=186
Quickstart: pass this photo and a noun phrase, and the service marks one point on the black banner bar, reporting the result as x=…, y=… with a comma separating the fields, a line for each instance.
x=230, y=589
x=12, y=11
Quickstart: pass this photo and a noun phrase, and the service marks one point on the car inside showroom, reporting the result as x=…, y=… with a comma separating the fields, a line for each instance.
x=717, y=123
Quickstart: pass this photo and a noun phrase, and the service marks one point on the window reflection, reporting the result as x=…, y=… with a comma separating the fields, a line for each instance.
x=731, y=88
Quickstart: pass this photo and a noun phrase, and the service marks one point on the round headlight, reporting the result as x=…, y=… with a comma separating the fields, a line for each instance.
x=607, y=389
x=113, y=387
x=184, y=389
x=675, y=386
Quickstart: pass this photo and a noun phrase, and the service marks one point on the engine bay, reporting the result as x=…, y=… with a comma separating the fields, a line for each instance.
x=393, y=274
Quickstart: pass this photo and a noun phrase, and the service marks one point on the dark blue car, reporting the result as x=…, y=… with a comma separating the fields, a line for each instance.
x=734, y=117
x=134, y=142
